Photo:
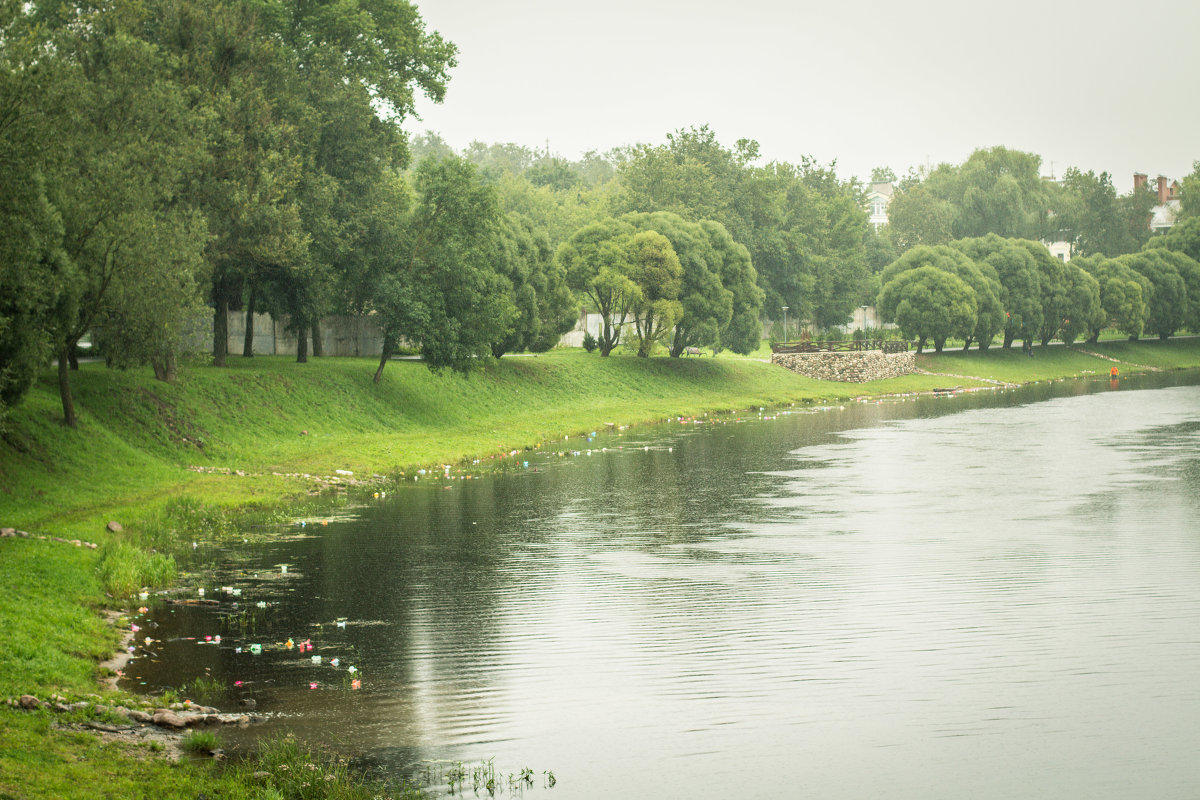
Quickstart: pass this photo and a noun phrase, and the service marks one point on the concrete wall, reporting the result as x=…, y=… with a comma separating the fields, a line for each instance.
x=871, y=365
x=340, y=336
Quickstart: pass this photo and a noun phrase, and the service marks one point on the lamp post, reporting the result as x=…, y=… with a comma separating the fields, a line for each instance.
x=785, y=308
x=864, y=308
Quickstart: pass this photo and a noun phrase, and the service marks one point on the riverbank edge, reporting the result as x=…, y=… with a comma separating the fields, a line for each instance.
x=285, y=492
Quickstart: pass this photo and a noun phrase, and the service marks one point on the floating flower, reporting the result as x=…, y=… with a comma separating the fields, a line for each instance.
x=355, y=684
x=312, y=685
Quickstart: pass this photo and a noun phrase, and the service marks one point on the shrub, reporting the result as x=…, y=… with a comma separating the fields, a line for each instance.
x=589, y=342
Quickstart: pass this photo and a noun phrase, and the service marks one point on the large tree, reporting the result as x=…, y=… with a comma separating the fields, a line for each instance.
x=441, y=291
x=1019, y=277
x=1168, y=301
x=980, y=276
x=929, y=303
x=655, y=270
x=34, y=271
x=1096, y=221
x=596, y=261
x=128, y=140
x=1124, y=296
x=707, y=305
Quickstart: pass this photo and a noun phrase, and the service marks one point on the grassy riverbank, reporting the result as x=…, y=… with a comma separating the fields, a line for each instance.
x=267, y=432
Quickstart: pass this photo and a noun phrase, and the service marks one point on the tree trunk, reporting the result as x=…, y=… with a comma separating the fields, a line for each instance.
x=73, y=357
x=1008, y=339
x=318, y=348
x=607, y=337
x=389, y=345
x=967, y=344
x=64, y=388
x=160, y=369
x=302, y=344
x=938, y=344
x=248, y=341
x=1162, y=337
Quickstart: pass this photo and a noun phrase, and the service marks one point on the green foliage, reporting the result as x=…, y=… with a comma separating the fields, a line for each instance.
x=980, y=276
x=1019, y=278
x=929, y=303
x=802, y=226
x=1091, y=215
x=596, y=260
x=589, y=342
x=1123, y=296
x=1167, y=307
x=441, y=291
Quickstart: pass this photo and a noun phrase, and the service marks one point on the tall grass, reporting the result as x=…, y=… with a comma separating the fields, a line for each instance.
x=125, y=569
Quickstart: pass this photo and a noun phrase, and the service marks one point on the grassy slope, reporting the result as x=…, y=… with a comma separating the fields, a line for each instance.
x=137, y=437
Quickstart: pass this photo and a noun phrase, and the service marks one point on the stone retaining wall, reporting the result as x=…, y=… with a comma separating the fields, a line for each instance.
x=871, y=365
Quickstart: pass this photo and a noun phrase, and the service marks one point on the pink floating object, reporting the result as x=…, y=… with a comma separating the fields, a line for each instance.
x=312, y=685
x=355, y=684
x=134, y=628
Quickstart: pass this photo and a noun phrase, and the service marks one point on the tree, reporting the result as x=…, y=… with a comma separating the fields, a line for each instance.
x=743, y=333
x=1096, y=220
x=883, y=175
x=1055, y=282
x=929, y=303
x=34, y=270
x=1184, y=237
x=1019, y=277
x=596, y=261
x=1084, y=310
x=1189, y=271
x=128, y=141
x=917, y=217
x=440, y=291
x=1123, y=296
x=546, y=309
x=655, y=270
x=980, y=276
x=801, y=224
x=1189, y=195
x=1167, y=306
x=707, y=306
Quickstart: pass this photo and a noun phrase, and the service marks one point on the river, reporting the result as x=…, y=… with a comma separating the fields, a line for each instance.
x=990, y=595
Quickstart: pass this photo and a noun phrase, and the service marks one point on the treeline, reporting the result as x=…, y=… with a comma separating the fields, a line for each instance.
x=164, y=159
x=962, y=255
x=978, y=288
x=161, y=157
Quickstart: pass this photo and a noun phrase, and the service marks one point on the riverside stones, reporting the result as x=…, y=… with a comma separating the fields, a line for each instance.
x=848, y=367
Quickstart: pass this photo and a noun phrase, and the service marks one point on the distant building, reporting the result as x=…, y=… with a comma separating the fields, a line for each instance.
x=879, y=196
x=1163, y=215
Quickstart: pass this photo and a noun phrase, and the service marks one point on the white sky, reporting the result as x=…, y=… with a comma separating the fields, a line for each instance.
x=1107, y=85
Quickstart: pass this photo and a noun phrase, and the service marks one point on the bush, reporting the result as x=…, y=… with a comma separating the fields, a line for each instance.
x=589, y=342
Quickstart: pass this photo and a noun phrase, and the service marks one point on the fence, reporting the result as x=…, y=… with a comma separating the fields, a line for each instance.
x=847, y=346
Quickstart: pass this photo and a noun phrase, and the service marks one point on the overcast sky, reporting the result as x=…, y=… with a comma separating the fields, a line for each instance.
x=1107, y=86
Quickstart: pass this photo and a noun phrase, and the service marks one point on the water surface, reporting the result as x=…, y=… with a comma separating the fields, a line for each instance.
x=989, y=596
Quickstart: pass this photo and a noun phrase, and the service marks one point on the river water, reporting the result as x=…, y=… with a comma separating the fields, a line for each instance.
x=993, y=595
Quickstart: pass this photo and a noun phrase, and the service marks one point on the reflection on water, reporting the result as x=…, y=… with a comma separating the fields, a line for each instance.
x=975, y=596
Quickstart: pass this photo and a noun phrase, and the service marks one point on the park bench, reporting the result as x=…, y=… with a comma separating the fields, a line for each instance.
x=693, y=351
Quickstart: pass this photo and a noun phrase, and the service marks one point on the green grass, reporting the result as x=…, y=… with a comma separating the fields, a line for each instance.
x=1055, y=361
